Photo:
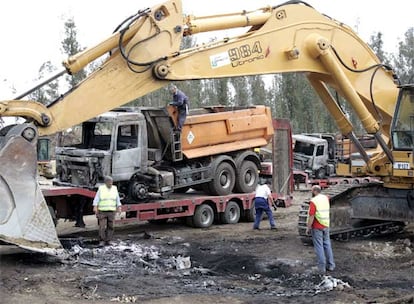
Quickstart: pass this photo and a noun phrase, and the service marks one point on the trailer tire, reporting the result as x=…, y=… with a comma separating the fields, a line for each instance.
x=231, y=214
x=249, y=214
x=247, y=177
x=189, y=221
x=224, y=179
x=203, y=216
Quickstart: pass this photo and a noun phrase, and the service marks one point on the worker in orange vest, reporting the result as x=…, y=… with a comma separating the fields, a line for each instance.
x=318, y=226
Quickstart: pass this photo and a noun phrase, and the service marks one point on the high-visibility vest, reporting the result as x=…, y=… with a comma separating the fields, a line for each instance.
x=321, y=203
x=107, y=198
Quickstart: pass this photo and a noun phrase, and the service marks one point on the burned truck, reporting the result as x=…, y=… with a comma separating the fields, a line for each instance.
x=145, y=155
x=324, y=155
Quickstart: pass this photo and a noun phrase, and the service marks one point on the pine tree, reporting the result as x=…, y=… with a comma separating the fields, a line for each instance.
x=48, y=92
x=404, y=61
x=241, y=91
x=257, y=90
x=377, y=45
x=70, y=47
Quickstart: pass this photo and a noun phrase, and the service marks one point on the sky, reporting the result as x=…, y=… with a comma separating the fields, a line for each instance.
x=32, y=31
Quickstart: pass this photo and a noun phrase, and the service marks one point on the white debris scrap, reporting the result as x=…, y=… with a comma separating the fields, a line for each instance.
x=209, y=283
x=329, y=283
x=182, y=262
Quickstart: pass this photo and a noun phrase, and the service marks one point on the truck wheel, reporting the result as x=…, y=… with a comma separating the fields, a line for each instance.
x=223, y=180
x=203, y=216
x=138, y=191
x=247, y=177
x=231, y=214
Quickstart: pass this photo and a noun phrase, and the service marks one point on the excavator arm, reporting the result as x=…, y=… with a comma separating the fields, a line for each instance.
x=145, y=55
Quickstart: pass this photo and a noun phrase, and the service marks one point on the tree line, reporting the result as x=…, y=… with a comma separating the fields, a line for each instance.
x=288, y=95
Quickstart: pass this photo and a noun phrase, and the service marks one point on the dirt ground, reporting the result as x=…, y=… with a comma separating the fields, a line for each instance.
x=173, y=263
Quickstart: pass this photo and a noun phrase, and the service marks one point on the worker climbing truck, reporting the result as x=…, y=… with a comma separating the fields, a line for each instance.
x=144, y=154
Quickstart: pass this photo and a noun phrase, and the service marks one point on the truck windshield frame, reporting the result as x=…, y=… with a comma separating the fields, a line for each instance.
x=90, y=135
x=304, y=148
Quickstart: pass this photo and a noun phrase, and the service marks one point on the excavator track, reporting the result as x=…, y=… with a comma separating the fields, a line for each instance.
x=343, y=226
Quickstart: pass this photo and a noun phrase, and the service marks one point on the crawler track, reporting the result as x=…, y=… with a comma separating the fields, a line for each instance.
x=343, y=226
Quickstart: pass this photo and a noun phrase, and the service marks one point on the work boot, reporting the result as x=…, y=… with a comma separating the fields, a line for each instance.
x=273, y=228
x=256, y=228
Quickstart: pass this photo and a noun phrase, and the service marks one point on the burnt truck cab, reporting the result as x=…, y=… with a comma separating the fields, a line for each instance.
x=115, y=144
x=311, y=154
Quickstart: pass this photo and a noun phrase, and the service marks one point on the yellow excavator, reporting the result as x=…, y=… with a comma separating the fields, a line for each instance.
x=144, y=55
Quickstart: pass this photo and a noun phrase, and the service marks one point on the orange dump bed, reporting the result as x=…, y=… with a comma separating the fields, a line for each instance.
x=218, y=130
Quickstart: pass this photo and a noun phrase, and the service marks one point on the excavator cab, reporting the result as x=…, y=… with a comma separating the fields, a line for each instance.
x=403, y=124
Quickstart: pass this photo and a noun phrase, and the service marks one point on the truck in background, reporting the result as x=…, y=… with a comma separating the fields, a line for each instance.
x=319, y=159
x=145, y=156
x=325, y=159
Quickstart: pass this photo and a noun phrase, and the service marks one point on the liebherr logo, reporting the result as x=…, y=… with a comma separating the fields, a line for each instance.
x=246, y=54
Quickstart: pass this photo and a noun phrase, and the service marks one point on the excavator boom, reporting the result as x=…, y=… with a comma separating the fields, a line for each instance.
x=145, y=55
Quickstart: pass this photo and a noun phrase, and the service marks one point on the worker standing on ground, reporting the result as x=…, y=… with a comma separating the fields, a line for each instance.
x=318, y=225
x=180, y=100
x=105, y=205
x=263, y=200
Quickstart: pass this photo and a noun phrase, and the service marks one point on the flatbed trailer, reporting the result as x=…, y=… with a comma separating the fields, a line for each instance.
x=197, y=209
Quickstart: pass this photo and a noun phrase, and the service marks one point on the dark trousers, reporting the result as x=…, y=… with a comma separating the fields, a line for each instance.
x=182, y=115
x=261, y=205
x=106, y=225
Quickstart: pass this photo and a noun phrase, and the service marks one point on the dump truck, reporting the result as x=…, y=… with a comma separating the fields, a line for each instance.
x=195, y=208
x=145, y=155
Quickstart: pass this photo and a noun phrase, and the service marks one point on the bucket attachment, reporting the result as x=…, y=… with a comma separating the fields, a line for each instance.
x=25, y=219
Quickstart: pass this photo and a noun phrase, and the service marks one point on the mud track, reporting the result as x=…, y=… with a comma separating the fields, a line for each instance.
x=173, y=263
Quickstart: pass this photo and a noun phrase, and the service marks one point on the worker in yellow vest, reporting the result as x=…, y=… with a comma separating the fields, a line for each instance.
x=318, y=225
x=105, y=205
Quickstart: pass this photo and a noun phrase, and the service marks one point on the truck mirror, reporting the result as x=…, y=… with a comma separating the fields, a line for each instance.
x=43, y=149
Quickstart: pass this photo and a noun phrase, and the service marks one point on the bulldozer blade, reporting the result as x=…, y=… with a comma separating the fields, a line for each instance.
x=25, y=219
